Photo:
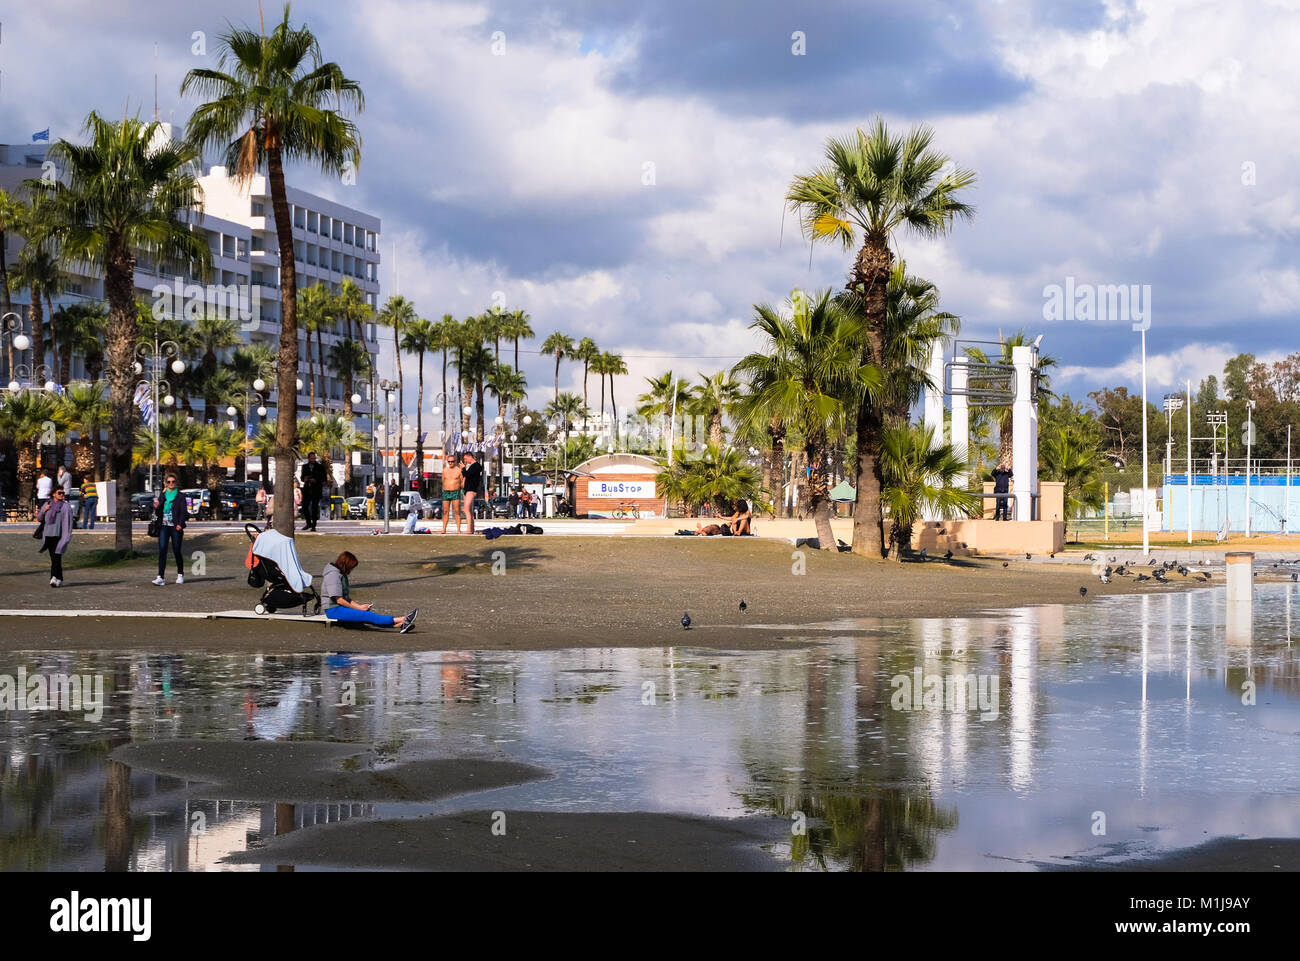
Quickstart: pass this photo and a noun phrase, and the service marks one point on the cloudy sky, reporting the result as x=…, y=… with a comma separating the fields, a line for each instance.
x=508, y=144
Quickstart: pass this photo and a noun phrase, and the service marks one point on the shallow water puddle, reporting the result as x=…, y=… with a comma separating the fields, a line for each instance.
x=1004, y=742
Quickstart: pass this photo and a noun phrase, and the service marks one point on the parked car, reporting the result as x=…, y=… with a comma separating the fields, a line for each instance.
x=198, y=501
x=238, y=500
x=142, y=505
x=500, y=506
x=356, y=508
x=408, y=501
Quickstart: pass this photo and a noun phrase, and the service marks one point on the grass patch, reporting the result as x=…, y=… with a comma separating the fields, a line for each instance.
x=109, y=559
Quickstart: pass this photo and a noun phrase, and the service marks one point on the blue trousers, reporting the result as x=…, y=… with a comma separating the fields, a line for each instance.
x=353, y=616
x=88, y=513
x=170, y=533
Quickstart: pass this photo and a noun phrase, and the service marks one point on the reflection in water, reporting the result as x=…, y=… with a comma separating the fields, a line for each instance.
x=1101, y=708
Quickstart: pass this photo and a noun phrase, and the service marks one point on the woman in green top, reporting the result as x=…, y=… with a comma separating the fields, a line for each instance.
x=171, y=513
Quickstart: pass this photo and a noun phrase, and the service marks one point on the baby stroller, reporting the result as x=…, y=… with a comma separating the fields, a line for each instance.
x=273, y=561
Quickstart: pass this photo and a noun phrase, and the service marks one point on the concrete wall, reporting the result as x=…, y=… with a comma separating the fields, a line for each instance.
x=1268, y=496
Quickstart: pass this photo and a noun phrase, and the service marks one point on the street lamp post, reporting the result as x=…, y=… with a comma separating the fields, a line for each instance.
x=152, y=357
x=1250, y=438
x=12, y=324
x=1216, y=419
x=259, y=386
x=387, y=386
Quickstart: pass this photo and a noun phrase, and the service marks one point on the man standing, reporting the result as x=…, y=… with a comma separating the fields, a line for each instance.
x=453, y=480
x=370, y=501
x=1001, y=486
x=313, y=482
x=44, y=488
x=64, y=480
x=473, y=485
x=89, y=501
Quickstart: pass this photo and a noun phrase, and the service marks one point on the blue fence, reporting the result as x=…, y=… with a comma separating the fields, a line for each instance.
x=1214, y=497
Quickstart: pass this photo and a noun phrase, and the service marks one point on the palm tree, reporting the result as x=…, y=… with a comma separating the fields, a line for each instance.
x=323, y=434
x=598, y=368
x=217, y=443
x=805, y=372
x=78, y=329
x=85, y=410
x=508, y=386
x=720, y=477
x=277, y=102
x=920, y=473
x=315, y=310
x=419, y=337
x=263, y=444
x=667, y=395
x=613, y=367
x=251, y=362
x=473, y=365
x=127, y=189
x=214, y=335
x=12, y=211
x=38, y=271
x=558, y=344
x=1066, y=456
x=351, y=307
x=567, y=409
x=874, y=184
x=350, y=361
x=714, y=397
x=517, y=327
x=586, y=351
x=397, y=312
x=25, y=419
x=445, y=337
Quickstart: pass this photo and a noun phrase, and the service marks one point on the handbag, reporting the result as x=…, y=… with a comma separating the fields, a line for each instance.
x=155, y=527
x=39, y=533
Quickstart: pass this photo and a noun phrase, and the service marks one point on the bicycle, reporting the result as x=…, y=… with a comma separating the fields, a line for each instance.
x=627, y=509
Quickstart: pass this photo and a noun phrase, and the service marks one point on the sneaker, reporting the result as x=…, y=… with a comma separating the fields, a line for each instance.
x=58, y=583
x=180, y=578
x=409, y=622
x=54, y=582
x=159, y=581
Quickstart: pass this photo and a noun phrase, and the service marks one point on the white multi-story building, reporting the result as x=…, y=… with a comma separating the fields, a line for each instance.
x=332, y=243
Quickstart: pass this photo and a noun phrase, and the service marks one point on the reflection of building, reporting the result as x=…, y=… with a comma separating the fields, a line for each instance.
x=606, y=486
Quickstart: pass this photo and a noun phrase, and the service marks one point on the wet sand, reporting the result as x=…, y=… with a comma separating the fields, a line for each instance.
x=1221, y=854
x=312, y=771
x=532, y=841
x=548, y=593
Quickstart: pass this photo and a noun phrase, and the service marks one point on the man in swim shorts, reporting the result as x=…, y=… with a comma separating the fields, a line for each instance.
x=453, y=483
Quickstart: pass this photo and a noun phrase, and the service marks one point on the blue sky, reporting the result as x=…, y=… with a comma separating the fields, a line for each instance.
x=1109, y=139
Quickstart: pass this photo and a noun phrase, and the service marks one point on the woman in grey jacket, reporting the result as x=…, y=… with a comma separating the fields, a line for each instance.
x=57, y=516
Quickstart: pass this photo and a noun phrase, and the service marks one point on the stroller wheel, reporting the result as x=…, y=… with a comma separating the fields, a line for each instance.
x=270, y=609
x=260, y=609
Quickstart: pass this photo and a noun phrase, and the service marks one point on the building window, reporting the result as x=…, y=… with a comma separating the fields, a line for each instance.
x=258, y=242
x=313, y=222
x=300, y=218
x=259, y=209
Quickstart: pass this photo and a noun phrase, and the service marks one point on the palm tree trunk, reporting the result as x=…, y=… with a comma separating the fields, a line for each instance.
x=516, y=343
x=286, y=410
x=819, y=496
x=401, y=438
x=777, y=462
x=119, y=352
x=58, y=351
x=6, y=304
x=613, y=410
x=558, y=355
x=348, y=438
x=870, y=282
x=584, y=381
x=445, y=402
x=419, y=427
x=311, y=368
x=478, y=408
x=38, y=331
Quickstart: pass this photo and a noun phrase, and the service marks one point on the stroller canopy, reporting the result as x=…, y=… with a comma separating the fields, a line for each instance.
x=275, y=547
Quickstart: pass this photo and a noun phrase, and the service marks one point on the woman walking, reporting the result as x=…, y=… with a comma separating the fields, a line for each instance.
x=339, y=605
x=57, y=517
x=170, y=514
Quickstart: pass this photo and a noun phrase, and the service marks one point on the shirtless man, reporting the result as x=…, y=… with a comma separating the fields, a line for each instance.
x=453, y=482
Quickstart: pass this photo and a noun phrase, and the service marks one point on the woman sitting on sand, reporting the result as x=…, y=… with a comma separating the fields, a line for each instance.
x=739, y=520
x=341, y=607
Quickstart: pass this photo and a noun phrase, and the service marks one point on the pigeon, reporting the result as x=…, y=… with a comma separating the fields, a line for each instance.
x=1090, y=557
x=1028, y=556
x=1182, y=570
x=1108, y=571
x=947, y=555
x=743, y=606
x=1052, y=555
x=1142, y=577
x=1083, y=592
x=1105, y=579
x=1152, y=562
x=924, y=555
x=1160, y=576
x=1295, y=577
x=1004, y=563
x=686, y=621
x=1111, y=558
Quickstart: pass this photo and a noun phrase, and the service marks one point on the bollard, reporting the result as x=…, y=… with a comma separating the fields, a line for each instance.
x=1241, y=593
x=1240, y=576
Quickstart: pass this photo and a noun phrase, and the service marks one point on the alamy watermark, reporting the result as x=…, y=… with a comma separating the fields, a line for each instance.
x=919, y=691
x=67, y=693
x=1074, y=301
x=241, y=302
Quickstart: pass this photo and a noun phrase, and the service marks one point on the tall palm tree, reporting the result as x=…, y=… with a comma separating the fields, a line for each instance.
x=597, y=365
x=85, y=410
x=805, y=371
x=1065, y=455
x=350, y=361
x=396, y=313
x=25, y=418
x=315, y=311
x=37, y=270
x=218, y=443
x=714, y=397
x=127, y=189
x=919, y=474
x=586, y=351
x=721, y=477
x=613, y=366
x=12, y=211
x=78, y=329
x=667, y=396
x=517, y=327
x=557, y=344
x=214, y=334
x=351, y=307
x=273, y=99
x=508, y=386
x=567, y=409
x=418, y=337
x=445, y=337
x=872, y=184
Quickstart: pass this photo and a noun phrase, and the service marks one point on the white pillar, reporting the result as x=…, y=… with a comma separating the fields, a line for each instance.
x=960, y=426
x=933, y=410
x=1240, y=576
x=1024, y=434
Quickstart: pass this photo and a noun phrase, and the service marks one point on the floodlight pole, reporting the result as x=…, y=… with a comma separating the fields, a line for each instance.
x=1250, y=406
x=1286, y=512
x=1146, y=534
x=1189, y=466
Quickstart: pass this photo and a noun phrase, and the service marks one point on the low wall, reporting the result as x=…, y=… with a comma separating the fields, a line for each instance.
x=989, y=537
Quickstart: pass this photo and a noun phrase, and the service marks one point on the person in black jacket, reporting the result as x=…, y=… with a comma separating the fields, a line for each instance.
x=473, y=485
x=313, y=483
x=171, y=513
x=1002, y=485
